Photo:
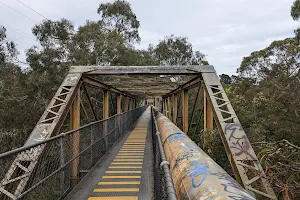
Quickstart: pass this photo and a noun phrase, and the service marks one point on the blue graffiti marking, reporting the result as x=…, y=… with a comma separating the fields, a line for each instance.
x=175, y=136
x=198, y=169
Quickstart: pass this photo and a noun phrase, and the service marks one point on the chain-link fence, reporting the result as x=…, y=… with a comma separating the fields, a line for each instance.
x=163, y=185
x=65, y=160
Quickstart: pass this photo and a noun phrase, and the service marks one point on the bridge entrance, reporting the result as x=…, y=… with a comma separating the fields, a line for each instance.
x=91, y=112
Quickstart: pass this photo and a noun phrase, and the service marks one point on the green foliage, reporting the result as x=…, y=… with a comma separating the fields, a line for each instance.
x=24, y=94
x=265, y=96
x=177, y=51
x=225, y=79
x=295, y=10
x=118, y=16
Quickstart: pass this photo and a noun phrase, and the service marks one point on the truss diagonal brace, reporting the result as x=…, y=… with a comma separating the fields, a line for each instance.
x=48, y=125
x=90, y=102
x=96, y=83
x=235, y=140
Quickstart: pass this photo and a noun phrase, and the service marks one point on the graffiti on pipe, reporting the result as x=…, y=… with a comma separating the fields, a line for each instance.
x=183, y=156
x=232, y=187
x=175, y=137
x=238, y=142
x=197, y=172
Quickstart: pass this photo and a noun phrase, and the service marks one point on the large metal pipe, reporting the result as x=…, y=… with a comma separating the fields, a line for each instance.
x=195, y=175
x=164, y=163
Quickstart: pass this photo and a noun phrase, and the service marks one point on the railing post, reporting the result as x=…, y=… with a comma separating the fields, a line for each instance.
x=75, y=124
x=92, y=143
x=105, y=115
x=119, y=110
x=62, y=162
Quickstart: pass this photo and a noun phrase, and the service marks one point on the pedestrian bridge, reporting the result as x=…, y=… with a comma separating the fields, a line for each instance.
x=123, y=133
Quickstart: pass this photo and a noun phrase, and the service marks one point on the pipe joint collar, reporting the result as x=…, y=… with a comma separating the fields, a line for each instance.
x=164, y=163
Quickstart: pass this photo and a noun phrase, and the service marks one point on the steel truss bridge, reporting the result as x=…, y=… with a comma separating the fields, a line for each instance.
x=122, y=132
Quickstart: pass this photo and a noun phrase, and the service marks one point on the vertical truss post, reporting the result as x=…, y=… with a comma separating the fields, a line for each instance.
x=75, y=124
x=126, y=104
x=169, y=108
x=129, y=104
x=208, y=114
x=119, y=110
x=105, y=110
x=194, y=109
x=119, y=99
x=164, y=107
x=175, y=109
x=132, y=104
x=185, y=111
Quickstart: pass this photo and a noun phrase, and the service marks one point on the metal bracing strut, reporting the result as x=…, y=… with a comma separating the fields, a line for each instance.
x=17, y=176
x=247, y=169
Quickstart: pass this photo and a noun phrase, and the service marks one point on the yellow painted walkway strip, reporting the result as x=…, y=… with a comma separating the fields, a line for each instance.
x=129, y=156
x=123, y=172
x=125, y=167
x=110, y=177
x=133, y=146
x=115, y=198
x=127, y=163
x=142, y=139
x=117, y=190
x=132, y=149
x=127, y=160
x=120, y=183
x=136, y=146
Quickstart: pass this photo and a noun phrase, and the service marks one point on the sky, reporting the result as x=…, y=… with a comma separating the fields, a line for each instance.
x=224, y=30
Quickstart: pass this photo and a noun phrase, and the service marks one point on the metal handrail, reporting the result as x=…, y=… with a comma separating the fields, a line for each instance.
x=164, y=163
x=61, y=145
x=63, y=134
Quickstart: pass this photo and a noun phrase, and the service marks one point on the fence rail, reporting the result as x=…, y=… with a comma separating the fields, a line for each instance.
x=66, y=159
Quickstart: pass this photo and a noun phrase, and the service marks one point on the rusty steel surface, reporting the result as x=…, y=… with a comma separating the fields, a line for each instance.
x=245, y=164
x=171, y=84
x=145, y=70
x=144, y=84
x=194, y=173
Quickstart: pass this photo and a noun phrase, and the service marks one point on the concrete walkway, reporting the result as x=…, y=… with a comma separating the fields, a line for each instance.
x=125, y=173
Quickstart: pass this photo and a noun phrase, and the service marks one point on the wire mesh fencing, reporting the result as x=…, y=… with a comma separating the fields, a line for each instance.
x=160, y=192
x=65, y=160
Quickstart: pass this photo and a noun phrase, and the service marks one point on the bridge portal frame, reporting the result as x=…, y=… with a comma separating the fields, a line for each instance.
x=247, y=169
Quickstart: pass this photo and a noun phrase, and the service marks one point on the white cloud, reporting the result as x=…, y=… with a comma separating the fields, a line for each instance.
x=224, y=30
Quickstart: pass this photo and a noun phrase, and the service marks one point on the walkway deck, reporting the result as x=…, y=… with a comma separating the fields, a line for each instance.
x=125, y=173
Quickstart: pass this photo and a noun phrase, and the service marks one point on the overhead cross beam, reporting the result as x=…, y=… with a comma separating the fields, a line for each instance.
x=142, y=70
x=96, y=83
x=175, y=81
